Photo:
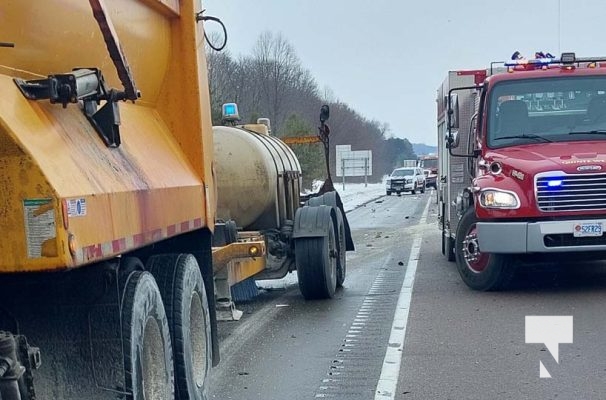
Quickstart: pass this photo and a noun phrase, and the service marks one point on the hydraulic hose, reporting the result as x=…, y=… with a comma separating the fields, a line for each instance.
x=201, y=17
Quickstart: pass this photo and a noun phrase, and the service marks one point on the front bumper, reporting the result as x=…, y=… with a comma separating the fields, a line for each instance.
x=399, y=186
x=536, y=237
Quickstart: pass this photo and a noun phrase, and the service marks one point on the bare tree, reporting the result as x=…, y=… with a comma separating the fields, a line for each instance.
x=221, y=70
x=278, y=68
x=273, y=83
x=328, y=96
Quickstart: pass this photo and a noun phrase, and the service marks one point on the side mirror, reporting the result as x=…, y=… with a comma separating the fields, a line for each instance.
x=452, y=140
x=324, y=113
x=453, y=111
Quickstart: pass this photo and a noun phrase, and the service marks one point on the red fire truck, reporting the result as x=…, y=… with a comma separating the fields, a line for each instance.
x=522, y=165
x=429, y=163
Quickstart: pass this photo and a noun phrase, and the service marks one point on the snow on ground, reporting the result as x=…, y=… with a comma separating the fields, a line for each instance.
x=354, y=195
x=357, y=194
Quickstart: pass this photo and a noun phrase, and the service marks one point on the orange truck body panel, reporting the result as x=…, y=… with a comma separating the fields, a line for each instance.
x=68, y=200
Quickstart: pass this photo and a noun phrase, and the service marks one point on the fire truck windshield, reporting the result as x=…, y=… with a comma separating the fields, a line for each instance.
x=430, y=163
x=547, y=110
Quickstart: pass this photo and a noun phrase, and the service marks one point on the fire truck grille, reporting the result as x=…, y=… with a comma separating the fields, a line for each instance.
x=571, y=192
x=568, y=239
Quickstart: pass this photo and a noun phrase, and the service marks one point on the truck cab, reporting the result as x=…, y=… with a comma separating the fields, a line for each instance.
x=429, y=164
x=530, y=140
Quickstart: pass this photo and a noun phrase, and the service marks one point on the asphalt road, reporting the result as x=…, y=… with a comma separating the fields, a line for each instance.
x=459, y=344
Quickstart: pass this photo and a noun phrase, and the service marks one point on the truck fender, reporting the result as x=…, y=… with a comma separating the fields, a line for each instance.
x=333, y=200
x=313, y=221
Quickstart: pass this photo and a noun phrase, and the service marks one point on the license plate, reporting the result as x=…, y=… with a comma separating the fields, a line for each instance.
x=585, y=229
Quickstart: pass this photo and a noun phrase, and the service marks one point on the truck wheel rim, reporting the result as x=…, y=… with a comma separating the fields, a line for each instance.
x=474, y=258
x=153, y=363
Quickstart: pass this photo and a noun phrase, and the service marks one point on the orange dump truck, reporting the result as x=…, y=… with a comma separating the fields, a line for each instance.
x=107, y=204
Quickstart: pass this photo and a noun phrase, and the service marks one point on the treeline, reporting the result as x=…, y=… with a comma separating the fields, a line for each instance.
x=272, y=83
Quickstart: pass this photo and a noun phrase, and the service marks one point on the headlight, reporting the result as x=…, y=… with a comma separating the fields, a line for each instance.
x=492, y=198
x=408, y=180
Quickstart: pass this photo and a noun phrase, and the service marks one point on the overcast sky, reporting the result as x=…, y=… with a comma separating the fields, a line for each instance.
x=386, y=58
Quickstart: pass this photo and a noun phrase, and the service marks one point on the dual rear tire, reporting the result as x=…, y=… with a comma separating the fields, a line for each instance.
x=317, y=265
x=148, y=354
x=166, y=330
x=184, y=296
x=448, y=247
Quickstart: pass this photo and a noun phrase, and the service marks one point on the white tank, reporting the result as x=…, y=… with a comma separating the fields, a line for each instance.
x=258, y=178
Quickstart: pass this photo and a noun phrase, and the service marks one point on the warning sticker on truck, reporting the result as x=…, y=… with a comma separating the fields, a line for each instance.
x=76, y=207
x=39, y=216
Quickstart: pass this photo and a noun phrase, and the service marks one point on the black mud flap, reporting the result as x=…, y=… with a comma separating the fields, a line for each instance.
x=334, y=200
x=313, y=221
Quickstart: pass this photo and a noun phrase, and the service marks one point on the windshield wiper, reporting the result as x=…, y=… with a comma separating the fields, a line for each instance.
x=525, y=136
x=592, y=132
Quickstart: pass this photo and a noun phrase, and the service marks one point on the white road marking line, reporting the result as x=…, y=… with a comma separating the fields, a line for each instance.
x=388, y=381
x=355, y=330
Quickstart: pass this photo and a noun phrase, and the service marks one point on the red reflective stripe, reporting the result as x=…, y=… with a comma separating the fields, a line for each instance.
x=171, y=230
x=92, y=252
x=138, y=239
x=117, y=246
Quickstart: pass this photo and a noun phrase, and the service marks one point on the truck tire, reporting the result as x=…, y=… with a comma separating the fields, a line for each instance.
x=450, y=249
x=148, y=357
x=317, y=265
x=414, y=189
x=479, y=271
x=447, y=241
x=423, y=189
x=342, y=260
x=184, y=296
x=388, y=193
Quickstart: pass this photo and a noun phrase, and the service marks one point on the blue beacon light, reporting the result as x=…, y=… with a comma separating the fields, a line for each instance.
x=230, y=109
x=554, y=183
